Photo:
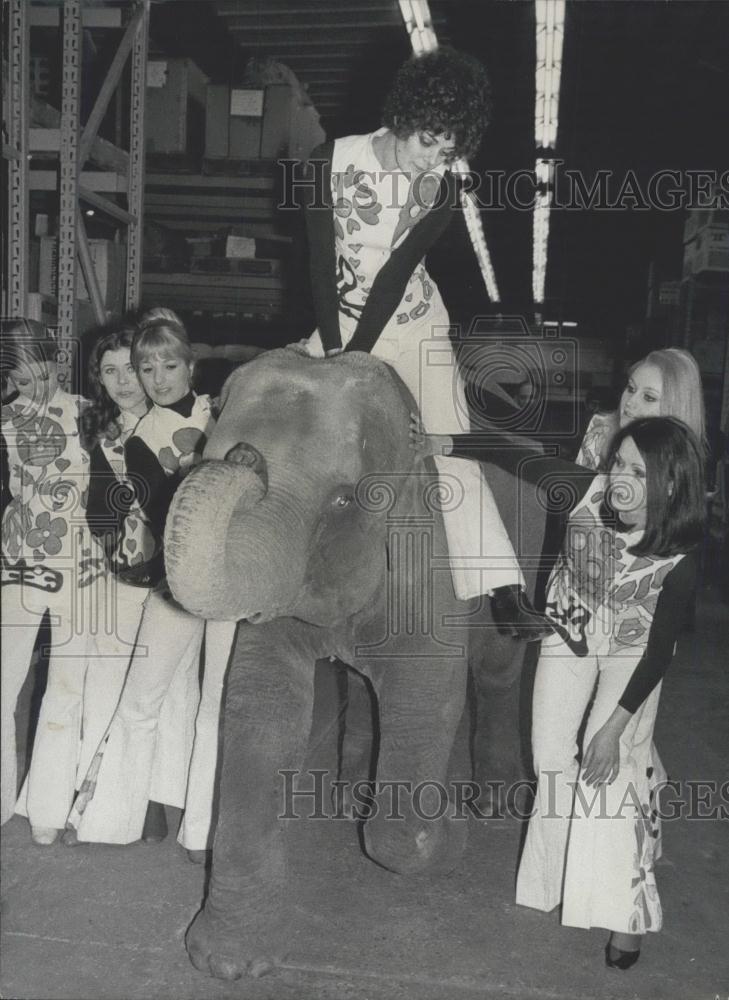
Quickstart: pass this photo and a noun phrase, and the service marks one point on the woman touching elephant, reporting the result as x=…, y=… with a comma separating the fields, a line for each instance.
x=388, y=196
x=166, y=443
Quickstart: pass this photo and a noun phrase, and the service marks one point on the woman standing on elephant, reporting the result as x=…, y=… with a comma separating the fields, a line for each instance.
x=388, y=196
x=166, y=443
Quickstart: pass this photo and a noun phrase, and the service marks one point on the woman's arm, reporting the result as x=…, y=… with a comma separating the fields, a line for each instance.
x=668, y=621
x=322, y=246
x=389, y=285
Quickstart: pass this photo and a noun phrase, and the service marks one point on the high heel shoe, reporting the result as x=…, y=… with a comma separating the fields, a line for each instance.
x=616, y=958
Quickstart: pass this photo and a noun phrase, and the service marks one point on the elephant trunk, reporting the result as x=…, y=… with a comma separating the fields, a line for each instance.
x=196, y=536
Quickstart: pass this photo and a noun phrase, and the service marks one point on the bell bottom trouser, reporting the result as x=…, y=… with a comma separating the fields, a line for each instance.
x=136, y=765
x=52, y=775
x=590, y=850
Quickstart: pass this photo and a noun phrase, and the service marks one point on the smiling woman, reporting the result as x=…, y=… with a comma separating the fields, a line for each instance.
x=131, y=778
x=665, y=383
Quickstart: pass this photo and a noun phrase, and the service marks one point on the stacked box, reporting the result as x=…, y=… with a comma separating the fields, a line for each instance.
x=707, y=252
x=174, y=105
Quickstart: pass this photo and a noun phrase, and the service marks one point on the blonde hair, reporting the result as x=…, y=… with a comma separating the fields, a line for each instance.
x=161, y=331
x=682, y=396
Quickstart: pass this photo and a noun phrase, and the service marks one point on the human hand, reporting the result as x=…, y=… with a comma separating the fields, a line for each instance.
x=427, y=444
x=601, y=763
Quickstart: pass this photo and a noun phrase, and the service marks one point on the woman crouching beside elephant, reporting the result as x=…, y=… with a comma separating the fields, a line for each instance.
x=388, y=196
x=165, y=444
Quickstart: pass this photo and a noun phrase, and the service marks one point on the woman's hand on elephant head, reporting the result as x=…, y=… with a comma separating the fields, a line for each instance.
x=427, y=444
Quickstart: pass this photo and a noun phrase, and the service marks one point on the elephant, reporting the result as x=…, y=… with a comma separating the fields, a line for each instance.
x=313, y=523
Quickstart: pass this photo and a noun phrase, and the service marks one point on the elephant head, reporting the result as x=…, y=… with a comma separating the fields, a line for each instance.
x=272, y=523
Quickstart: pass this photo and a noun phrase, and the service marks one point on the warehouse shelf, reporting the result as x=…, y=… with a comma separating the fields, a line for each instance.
x=49, y=150
x=204, y=204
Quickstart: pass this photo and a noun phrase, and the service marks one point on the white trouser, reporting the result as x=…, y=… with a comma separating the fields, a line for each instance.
x=482, y=557
x=52, y=775
x=134, y=767
x=196, y=831
x=594, y=857
x=109, y=654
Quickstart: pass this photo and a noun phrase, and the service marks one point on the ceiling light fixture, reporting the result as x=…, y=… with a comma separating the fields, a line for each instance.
x=549, y=16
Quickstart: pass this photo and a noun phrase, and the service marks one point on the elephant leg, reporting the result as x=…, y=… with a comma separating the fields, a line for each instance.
x=415, y=826
x=358, y=745
x=266, y=723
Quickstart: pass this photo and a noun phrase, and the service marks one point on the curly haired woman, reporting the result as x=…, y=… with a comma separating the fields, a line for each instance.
x=388, y=196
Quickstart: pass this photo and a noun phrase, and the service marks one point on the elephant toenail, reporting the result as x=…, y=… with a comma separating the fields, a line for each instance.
x=260, y=967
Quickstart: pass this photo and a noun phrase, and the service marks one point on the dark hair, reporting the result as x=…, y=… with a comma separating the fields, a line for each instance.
x=100, y=417
x=444, y=92
x=675, y=501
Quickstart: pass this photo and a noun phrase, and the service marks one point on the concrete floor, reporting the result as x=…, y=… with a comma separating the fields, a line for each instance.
x=108, y=922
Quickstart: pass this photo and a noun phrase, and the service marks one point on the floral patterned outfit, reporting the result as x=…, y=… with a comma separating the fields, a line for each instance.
x=616, y=618
x=373, y=293
x=593, y=455
x=50, y=563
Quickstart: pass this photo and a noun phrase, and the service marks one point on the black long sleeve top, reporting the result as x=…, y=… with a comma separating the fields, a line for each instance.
x=679, y=584
x=389, y=285
x=154, y=488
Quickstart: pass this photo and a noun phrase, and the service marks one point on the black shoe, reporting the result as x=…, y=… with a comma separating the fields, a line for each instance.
x=155, y=823
x=616, y=958
x=513, y=613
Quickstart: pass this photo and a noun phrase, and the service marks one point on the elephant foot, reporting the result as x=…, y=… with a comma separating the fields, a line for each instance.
x=410, y=847
x=226, y=957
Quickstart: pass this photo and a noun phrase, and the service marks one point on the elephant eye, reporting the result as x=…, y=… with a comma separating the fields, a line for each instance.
x=343, y=500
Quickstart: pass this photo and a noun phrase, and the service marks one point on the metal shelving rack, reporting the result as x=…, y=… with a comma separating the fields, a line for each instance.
x=35, y=128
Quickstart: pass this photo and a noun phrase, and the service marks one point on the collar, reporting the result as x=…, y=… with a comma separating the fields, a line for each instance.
x=127, y=420
x=182, y=406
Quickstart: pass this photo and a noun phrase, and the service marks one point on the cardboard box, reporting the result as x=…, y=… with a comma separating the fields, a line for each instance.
x=699, y=218
x=240, y=246
x=277, y=121
x=708, y=251
x=175, y=106
x=290, y=127
x=232, y=129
